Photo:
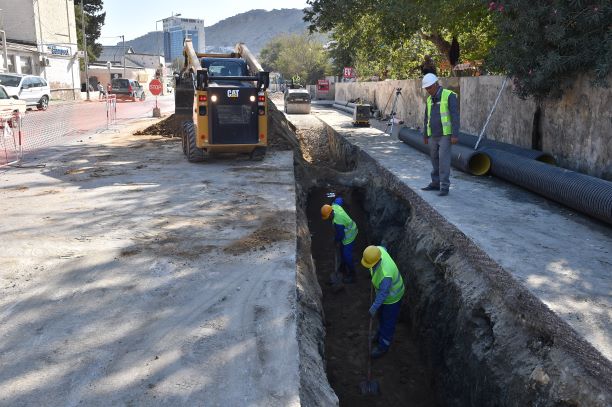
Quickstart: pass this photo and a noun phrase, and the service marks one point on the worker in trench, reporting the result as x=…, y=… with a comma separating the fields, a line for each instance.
x=346, y=233
x=389, y=287
x=440, y=130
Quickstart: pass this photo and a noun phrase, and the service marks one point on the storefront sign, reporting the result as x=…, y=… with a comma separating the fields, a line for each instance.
x=349, y=72
x=58, y=50
x=323, y=85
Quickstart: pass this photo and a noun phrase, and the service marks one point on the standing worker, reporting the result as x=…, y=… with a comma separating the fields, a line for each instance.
x=440, y=130
x=346, y=232
x=389, y=286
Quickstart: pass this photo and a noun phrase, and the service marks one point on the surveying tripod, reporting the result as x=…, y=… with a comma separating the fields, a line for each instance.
x=391, y=122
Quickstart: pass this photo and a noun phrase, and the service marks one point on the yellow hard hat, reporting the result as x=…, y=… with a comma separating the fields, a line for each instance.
x=326, y=210
x=371, y=255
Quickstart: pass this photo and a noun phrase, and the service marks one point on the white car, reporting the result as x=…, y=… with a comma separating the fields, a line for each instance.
x=34, y=90
x=10, y=105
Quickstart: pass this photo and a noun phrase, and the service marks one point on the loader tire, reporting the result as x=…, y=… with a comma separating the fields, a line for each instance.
x=194, y=154
x=184, y=138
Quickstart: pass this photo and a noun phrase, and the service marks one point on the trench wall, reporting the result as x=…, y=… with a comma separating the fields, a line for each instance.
x=576, y=129
x=488, y=339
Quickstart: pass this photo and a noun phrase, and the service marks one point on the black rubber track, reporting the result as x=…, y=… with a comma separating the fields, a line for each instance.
x=589, y=195
x=194, y=154
x=463, y=158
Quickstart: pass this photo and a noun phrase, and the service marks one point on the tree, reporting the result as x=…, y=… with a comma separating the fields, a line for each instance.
x=296, y=54
x=544, y=44
x=393, y=25
x=94, y=20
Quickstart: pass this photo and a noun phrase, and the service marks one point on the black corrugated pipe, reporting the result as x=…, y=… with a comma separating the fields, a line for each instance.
x=343, y=108
x=470, y=141
x=463, y=158
x=590, y=195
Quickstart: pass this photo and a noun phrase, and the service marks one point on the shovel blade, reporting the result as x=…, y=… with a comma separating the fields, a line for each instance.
x=369, y=387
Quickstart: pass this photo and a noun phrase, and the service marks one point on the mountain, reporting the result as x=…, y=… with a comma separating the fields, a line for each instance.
x=255, y=28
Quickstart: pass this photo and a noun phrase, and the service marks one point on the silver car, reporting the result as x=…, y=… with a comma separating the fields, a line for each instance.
x=34, y=90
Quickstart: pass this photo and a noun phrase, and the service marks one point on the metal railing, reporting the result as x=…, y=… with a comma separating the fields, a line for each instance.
x=11, y=148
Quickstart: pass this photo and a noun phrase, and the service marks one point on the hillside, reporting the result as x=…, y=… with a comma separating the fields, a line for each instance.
x=255, y=28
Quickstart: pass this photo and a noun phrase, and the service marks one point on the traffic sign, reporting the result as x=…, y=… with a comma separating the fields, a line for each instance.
x=155, y=86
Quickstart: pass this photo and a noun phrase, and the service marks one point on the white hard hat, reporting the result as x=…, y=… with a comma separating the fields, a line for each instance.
x=429, y=80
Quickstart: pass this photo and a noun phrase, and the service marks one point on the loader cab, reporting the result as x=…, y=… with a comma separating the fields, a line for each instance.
x=225, y=67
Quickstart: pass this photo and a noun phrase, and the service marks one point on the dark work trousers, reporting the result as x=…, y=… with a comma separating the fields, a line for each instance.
x=347, y=257
x=387, y=320
x=440, y=153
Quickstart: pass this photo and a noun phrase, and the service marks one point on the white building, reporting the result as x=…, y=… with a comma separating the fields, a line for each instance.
x=42, y=40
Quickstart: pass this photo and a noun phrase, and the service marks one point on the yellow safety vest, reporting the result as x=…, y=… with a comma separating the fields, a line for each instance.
x=387, y=268
x=342, y=218
x=447, y=128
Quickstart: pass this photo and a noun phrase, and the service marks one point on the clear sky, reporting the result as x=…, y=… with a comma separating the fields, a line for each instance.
x=134, y=18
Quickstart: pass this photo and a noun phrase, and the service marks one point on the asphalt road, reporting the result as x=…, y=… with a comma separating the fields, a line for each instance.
x=62, y=120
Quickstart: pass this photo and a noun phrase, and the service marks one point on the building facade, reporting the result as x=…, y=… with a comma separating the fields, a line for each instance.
x=176, y=29
x=42, y=40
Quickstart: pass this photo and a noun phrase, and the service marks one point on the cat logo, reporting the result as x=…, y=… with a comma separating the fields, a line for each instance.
x=232, y=93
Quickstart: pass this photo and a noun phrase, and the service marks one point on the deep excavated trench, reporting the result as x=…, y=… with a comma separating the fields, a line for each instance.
x=468, y=333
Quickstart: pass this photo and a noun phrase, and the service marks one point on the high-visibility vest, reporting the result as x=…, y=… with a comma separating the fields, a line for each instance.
x=342, y=218
x=387, y=268
x=447, y=128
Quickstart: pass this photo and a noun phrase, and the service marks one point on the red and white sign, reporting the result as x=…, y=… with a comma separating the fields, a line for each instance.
x=349, y=72
x=323, y=85
x=155, y=87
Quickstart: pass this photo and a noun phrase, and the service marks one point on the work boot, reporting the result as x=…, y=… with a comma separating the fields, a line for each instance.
x=378, y=352
x=443, y=192
x=431, y=187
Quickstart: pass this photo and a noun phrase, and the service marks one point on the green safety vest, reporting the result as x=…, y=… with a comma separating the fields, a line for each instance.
x=342, y=218
x=387, y=268
x=447, y=128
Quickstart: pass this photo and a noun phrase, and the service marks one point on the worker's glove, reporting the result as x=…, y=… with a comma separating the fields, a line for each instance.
x=454, y=139
x=425, y=140
x=372, y=311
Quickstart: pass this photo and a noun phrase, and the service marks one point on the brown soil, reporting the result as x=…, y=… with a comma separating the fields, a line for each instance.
x=404, y=379
x=165, y=127
x=272, y=229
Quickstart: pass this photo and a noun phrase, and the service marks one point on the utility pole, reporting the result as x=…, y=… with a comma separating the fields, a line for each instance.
x=85, y=47
x=123, y=46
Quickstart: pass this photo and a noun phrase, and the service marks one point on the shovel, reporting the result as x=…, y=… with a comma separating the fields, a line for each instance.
x=369, y=386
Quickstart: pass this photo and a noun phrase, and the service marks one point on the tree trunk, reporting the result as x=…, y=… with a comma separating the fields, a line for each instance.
x=440, y=43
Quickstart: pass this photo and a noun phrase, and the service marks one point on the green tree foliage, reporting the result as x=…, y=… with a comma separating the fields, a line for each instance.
x=387, y=32
x=544, y=44
x=94, y=20
x=296, y=54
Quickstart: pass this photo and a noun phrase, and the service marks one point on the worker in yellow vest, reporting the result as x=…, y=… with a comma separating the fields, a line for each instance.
x=346, y=233
x=440, y=130
x=389, y=287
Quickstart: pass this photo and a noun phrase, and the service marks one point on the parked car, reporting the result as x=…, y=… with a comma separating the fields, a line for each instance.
x=10, y=104
x=34, y=90
x=128, y=89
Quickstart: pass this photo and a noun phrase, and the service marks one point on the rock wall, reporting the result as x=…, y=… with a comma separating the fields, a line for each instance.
x=576, y=129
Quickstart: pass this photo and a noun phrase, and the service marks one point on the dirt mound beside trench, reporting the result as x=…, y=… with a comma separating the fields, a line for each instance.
x=165, y=128
x=272, y=229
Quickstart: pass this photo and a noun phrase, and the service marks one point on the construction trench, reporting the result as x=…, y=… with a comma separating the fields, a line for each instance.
x=468, y=333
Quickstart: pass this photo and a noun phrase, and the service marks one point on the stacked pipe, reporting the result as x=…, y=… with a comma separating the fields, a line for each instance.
x=589, y=195
x=470, y=141
x=344, y=106
x=463, y=158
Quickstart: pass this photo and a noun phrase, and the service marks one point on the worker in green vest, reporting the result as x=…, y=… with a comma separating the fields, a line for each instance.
x=346, y=233
x=440, y=130
x=389, y=286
